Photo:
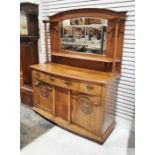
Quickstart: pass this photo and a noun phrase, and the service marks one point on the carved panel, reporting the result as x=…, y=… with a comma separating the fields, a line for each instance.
x=86, y=104
x=43, y=91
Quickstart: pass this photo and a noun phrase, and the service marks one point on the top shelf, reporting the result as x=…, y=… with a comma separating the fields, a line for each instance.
x=87, y=57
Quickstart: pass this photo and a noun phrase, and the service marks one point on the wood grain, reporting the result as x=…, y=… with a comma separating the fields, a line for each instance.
x=75, y=87
x=75, y=72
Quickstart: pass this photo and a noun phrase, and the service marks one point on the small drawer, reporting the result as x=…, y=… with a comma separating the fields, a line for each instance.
x=90, y=88
x=39, y=76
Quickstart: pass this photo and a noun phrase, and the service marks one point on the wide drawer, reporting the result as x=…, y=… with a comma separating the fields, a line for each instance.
x=90, y=88
x=63, y=82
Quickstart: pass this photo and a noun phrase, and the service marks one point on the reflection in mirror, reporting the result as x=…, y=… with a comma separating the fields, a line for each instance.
x=84, y=34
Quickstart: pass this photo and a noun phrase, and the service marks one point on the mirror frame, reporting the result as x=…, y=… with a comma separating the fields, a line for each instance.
x=111, y=60
x=111, y=16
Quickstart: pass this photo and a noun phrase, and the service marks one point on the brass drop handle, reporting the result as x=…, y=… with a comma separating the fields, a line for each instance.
x=89, y=88
x=51, y=79
x=68, y=83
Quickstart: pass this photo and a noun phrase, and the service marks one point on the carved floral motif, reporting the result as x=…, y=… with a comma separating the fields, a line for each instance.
x=43, y=91
x=86, y=104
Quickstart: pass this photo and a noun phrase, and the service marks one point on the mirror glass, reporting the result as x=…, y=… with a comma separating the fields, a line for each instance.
x=84, y=34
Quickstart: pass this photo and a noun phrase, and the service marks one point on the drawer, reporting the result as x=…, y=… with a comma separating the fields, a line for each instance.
x=57, y=81
x=70, y=84
x=90, y=88
x=63, y=82
x=39, y=76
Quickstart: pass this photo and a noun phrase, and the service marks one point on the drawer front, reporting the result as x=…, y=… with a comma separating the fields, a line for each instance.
x=57, y=81
x=90, y=88
x=40, y=76
x=65, y=83
x=69, y=84
x=52, y=80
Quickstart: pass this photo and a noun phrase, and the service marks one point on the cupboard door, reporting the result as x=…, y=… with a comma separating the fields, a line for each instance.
x=86, y=112
x=43, y=96
x=61, y=103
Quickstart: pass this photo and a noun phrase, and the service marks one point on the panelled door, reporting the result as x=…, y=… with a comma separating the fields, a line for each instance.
x=43, y=96
x=86, y=111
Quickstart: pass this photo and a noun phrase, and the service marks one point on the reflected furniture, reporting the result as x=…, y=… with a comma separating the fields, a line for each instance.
x=77, y=87
x=29, y=35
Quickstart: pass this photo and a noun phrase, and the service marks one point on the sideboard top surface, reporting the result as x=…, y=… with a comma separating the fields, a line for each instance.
x=76, y=72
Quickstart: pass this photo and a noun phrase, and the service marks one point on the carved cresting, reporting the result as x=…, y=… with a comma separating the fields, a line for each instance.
x=86, y=104
x=43, y=91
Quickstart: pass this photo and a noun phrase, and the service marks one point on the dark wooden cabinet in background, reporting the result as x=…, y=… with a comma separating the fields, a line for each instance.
x=29, y=35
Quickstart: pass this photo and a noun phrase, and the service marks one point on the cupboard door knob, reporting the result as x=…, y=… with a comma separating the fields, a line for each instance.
x=89, y=88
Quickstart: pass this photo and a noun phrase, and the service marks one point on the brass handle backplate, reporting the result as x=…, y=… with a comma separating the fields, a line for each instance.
x=51, y=79
x=68, y=83
x=37, y=75
x=89, y=88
